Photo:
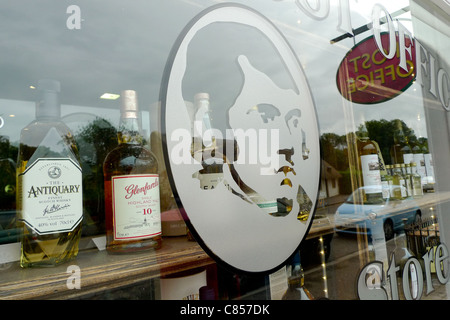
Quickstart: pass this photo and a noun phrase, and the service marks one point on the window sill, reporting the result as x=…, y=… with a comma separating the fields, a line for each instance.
x=100, y=271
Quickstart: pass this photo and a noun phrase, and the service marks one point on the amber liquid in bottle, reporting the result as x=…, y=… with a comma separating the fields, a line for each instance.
x=49, y=185
x=132, y=209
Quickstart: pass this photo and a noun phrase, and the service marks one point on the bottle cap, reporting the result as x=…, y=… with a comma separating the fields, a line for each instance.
x=47, y=104
x=201, y=95
x=129, y=106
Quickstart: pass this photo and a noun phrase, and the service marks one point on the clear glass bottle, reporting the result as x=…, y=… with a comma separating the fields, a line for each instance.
x=369, y=165
x=418, y=158
x=296, y=283
x=49, y=180
x=205, y=147
x=416, y=181
x=408, y=178
x=429, y=169
x=399, y=189
x=386, y=182
x=202, y=121
x=401, y=146
x=132, y=202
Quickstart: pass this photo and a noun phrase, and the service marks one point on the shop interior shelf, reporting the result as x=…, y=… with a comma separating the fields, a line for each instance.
x=100, y=271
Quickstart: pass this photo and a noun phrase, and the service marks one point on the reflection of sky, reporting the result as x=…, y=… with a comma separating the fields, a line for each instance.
x=320, y=59
x=17, y=114
x=125, y=45
x=118, y=47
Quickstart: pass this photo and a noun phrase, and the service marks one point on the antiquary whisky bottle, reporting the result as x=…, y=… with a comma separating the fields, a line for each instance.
x=49, y=180
x=132, y=203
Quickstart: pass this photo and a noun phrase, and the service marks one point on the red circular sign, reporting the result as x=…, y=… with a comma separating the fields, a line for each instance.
x=366, y=76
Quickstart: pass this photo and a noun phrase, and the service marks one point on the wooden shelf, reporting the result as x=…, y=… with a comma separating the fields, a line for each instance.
x=101, y=271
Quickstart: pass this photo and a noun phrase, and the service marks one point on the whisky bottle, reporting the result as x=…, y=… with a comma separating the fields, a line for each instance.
x=401, y=147
x=49, y=180
x=296, y=283
x=386, y=182
x=416, y=182
x=419, y=159
x=408, y=178
x=369, y=165
x=132, y=202
x=429, y=169
x=399, y=189
x=205, y=147
x=202, y=121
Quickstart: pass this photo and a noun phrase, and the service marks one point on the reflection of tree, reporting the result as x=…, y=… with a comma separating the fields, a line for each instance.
x=386, y=133
x=8, y=229
x=8, y=175
x=334, y=150
x=94, y=140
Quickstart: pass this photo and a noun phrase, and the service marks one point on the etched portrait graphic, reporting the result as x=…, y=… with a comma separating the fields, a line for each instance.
x=261, y=149
x=242, y=138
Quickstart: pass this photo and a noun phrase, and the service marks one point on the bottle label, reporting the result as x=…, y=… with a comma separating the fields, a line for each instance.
x=403, y=189
x=419, y=159
x=371, y=173
x=136, y=206
x=385, y=188
x=52, y=198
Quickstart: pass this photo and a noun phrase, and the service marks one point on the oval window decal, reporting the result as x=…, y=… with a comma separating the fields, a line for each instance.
x=365, y=76
x=241, y=138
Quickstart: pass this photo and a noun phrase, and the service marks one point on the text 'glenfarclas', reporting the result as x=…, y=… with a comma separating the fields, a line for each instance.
x=55, y=190
x=134, y=189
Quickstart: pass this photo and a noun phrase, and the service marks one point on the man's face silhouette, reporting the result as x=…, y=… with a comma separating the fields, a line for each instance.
x=268, y=164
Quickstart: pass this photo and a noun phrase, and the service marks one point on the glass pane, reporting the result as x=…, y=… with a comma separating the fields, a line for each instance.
x=325, y=163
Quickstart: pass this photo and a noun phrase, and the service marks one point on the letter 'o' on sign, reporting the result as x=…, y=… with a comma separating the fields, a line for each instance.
x=248, y=194
x=366, y=76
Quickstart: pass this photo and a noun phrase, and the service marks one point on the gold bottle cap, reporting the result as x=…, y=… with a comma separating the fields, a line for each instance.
x=129, y=106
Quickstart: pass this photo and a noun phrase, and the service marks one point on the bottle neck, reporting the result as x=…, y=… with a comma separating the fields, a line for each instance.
x=48, y=106
x=129, y=131
x=202, y=120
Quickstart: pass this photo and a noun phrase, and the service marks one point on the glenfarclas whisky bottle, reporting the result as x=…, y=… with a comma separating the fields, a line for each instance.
x=132, y=203
x=49, y=180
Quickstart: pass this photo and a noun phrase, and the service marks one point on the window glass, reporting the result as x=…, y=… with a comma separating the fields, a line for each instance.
x=346, y=174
